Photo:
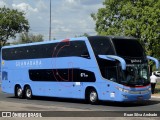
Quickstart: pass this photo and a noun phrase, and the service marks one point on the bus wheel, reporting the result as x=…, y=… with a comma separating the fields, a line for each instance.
x=93, y=97
x=28, y=92
x=19, y=92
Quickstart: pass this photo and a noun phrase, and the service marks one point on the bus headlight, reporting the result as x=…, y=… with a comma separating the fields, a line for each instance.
x=126, y=91
x=149, y=89
x=134, y=92
x=122, y=90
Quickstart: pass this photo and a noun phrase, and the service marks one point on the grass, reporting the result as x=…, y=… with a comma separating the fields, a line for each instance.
x=157, y=89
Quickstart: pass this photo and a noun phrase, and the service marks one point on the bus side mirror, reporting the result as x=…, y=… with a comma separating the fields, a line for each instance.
x=113, y=58
x=155, y=60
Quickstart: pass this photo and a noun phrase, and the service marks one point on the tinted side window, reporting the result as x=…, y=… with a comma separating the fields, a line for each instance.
x=101, y=46
x=4, y=75
x=28, y=52
x=62, y=75
x=61, y=49
x=111, y=73
x=114, y=73
x=71, y=48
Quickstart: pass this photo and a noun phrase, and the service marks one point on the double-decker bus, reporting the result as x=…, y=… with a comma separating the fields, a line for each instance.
x=92, y=68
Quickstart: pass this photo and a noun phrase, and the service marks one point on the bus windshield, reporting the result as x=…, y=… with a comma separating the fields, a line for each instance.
x=136, y=75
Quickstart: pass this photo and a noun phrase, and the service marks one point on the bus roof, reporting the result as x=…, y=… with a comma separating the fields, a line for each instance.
x=72, y=39
x=45, y=42
x=114, y=37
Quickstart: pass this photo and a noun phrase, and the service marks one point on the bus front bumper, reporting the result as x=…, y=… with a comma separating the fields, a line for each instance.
x=137, y=97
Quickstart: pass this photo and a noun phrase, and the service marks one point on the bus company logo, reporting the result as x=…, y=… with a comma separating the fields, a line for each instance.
x=28, y=63
x=58, y=76
x=136, y=61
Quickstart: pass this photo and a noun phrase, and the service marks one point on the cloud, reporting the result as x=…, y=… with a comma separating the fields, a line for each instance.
x=90, y=2
x=69, y=17
x=2, y=4
x=41, y=6
x=71, y=1
x=75, y=16
x=24, y=7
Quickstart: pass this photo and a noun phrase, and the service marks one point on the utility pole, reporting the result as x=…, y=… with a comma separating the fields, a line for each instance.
x=50, y=23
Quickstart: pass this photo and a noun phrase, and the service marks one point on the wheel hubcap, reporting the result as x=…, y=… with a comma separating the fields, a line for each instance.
x=93, y=96
x=28, y=93
x=19, y=92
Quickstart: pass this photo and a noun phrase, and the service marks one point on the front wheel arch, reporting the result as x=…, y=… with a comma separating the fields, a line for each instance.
x=91, y=91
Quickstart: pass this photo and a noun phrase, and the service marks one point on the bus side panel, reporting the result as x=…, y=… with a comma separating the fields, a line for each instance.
x=57, y=89
x=106, y=90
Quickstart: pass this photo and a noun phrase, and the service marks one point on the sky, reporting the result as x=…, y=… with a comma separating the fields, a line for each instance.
x=70, y=18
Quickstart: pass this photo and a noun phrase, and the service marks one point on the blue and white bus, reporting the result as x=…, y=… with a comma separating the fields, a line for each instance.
x=92, y=68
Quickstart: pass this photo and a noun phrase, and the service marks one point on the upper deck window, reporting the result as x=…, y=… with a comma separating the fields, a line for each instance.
x=128, y=48
x=101, y=46
x=59, y=49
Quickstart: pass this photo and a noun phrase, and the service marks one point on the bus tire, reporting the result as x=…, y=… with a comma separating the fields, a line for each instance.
x=93, y=96
x=19, y=92
x=28, y=92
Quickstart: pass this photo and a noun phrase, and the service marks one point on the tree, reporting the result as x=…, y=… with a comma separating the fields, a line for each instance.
x=137, y=18
x=11, y=22
x=29, y=38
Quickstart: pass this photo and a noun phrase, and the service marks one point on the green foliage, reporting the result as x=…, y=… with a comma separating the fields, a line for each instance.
x=137, y=18
x=11, y=23
x=29, y=38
